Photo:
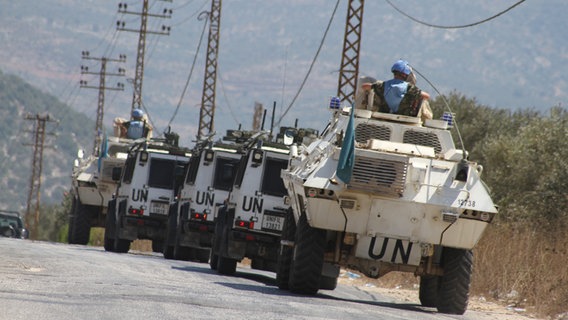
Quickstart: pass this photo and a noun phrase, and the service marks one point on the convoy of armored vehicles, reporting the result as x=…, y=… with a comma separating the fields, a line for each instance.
x=375, y=192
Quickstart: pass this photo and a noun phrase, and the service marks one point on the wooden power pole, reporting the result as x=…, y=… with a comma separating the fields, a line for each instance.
x=101, y=87
x=34, y=193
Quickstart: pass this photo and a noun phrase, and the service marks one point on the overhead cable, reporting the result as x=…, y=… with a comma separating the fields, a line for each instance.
x=453, y=27
x=311, y=65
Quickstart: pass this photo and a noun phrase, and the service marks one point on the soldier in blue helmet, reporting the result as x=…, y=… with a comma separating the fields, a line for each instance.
x=137, y=127
x=400, y=95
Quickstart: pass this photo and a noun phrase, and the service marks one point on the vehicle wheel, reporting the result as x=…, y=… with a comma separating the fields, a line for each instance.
x=122, y=245
x=171, y=233
x=285, y=253
x=307, y=259
x=157, y=245
x=453, y=292
x=202, y=255
x=110, y=227
x=81, y=223
x=213, y=261
x=328, y=283
x=428, y=293
x=226, y=266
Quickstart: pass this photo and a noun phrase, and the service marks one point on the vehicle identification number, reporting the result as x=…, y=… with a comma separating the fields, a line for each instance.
x=466, y=203
x=159, y=208
x=272, y=222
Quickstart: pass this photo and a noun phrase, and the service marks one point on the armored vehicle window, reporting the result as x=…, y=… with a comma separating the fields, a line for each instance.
x=427, y=139
x=272, y=184
x=162, y=173
x=129, y=169
x=225, y=171
x=241, y=170
x=193, y=167
x=365, y=132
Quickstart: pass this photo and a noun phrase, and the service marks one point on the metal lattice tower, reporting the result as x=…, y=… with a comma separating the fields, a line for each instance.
x=121, y=25
x=349, y=70
x=34, y=194
x=207, y=110
x=101, y=87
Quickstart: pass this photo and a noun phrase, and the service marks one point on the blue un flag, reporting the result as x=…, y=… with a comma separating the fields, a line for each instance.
x=347, y=156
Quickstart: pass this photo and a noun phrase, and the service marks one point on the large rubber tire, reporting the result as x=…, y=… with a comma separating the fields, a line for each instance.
x=158, y=246
x=170, y=235
x=202, y=255
x=453, y=293
x=110, y=227
x=226, y=266
x=122, y=245
x=81, y=229
x=428, y=294
x=285, y=253
x=112, y=242
x=216, y=241
x=213, y=261
x=307, y=260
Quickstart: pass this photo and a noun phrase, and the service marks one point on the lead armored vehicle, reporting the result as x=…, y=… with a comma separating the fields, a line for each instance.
x=411, y=201
x=92, y=187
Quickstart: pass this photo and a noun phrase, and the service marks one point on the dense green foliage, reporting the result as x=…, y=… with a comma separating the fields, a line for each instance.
x=524, y=154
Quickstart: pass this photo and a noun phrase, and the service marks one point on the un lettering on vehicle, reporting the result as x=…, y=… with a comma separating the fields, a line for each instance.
x=252, y=204
x=205, y=198
x=139, y=195
x=388, y=250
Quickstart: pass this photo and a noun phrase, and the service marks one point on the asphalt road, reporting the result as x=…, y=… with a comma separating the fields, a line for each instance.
x=41, y=280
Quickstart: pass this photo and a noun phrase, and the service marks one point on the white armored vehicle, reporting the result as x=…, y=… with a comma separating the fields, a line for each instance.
x=92, y=188
x=147, y=186
x=209, y=179
x=409, y=201
x=250, y=224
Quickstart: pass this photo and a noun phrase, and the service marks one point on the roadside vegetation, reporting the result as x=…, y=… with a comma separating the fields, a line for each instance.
x=521, y=258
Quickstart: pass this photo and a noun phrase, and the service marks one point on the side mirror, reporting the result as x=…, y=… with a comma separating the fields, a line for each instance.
x=116, y=173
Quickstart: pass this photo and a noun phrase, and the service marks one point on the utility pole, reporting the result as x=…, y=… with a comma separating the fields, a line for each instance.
x=35, y=179
x=207, y=110
x=121, y=26
x=349, y=70
x=85, y=55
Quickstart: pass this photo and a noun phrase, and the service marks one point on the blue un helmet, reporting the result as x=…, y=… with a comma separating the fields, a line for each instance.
x=137, y=114
x=402, y=67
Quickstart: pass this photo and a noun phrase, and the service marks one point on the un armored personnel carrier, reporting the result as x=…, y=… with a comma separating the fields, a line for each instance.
x=409, y=201
x=250, y=224
x=146, y=187
x=209, y=179
x=92, y=187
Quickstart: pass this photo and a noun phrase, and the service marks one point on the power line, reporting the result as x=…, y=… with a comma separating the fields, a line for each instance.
x=311, y=65
x=192, y=66
x=453, y=27
x=227, y=99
